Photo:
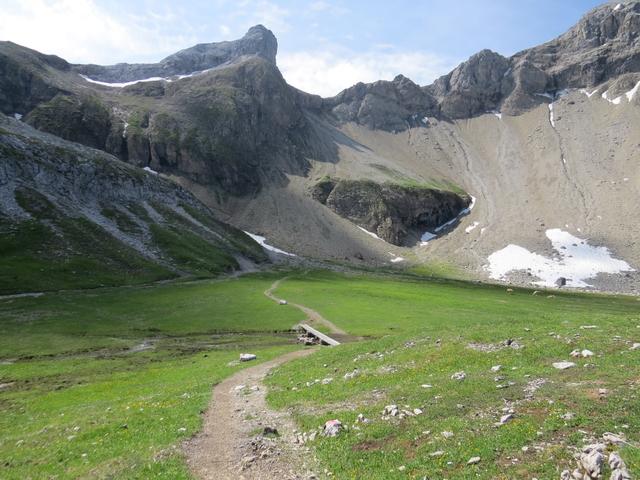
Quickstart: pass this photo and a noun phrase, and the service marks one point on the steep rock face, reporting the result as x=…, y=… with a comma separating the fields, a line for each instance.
x=231, y=128
x=384, y=105
x=258, y=41
x=396, y=213
x=602, y=46
x=476, y=85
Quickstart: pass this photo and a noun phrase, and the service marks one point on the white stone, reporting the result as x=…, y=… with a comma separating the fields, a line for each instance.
x=247, y=357
x=473, y=460
x=496, y=368
x=459, y=376
x=563, y=365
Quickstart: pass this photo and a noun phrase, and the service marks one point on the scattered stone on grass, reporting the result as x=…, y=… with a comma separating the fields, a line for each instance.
x=332, y=428
x=581, y=353
x=496, y=368
x=351, y=375
x=361, y=419
x=563, y=365
x=618, y=467
x=473, y=461
x=533, y=386
x=247, y=357
x=504, y=419
x=614, y=439
x=459, y=376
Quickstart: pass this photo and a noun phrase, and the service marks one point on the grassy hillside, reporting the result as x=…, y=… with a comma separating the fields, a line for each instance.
x=107, y=384
x=427, y=331
x=73, y=217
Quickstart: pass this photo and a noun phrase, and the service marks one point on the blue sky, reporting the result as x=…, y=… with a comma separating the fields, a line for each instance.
x=324, y=45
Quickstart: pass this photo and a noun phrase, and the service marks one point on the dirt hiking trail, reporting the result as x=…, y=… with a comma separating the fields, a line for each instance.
x=231, y=447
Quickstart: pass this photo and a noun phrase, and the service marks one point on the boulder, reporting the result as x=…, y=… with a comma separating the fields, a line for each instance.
x=332, y=428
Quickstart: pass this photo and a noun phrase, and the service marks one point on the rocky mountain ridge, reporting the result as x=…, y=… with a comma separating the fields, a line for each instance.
x=258, y=41
x=518, y=133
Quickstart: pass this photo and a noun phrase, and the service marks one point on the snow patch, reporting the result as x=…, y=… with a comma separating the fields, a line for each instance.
x=123, y=84
x=617, y=7
x=589, y=95
x=150, y=79
x=150, y=170
x=497, y=114
x=551, y=120
x=263, y=243
x=371, y=234
x=396, y=258
x=630, y=94
x=426, y=236
x=17, y=116
x=615, y=101
x=576, y=260
x=124, y=130
x=425, y=120
x=471, y=227
x=482, y=230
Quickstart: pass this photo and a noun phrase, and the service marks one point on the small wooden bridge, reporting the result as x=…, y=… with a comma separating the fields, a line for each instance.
x=319, y=337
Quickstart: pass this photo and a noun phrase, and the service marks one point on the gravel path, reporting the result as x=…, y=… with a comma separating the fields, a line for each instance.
x=231, y=445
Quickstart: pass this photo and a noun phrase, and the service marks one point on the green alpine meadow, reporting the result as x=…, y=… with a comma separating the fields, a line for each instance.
x=277, y=240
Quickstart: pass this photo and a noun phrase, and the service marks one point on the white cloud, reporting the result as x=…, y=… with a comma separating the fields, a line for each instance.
x=328, y=72
x=328, y=7
x=83, y=31
x=244, y=14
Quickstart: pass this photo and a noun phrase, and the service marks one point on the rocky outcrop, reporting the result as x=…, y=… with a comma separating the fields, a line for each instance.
x=258, y=41
x=476, y=85
x=83, y=119
x=398, y=214
x=384, y=105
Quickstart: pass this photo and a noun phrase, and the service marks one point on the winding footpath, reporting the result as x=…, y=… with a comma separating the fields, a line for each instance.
x=314, y=318
x=230, y=446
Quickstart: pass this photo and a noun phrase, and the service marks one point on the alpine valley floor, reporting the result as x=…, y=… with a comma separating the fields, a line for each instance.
x=122, y=376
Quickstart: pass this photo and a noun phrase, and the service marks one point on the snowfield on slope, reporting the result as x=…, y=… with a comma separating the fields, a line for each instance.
x=263, y=243
x=576, y=260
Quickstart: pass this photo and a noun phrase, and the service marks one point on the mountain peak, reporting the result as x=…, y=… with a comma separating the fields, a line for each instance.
x=261, y=41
